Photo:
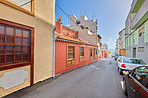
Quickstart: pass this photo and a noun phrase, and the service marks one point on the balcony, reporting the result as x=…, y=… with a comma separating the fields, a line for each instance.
x=141, y=16
x=136, y=5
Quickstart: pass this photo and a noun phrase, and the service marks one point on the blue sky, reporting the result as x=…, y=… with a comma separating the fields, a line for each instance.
x=111, y=15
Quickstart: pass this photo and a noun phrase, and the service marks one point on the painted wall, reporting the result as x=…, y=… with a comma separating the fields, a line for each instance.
x=61, y=56
x=146, y=31
x=85, y=35
x=136, y=36
x=42, y=23
x=84, y=21
x=103, y=54
x=26, y=81
x=66, y=31
x=122, y=52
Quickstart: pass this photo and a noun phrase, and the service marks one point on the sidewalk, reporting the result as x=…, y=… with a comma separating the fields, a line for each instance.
x=39, y=85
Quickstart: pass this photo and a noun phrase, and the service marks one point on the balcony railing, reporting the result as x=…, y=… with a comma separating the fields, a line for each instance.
x=133, y=4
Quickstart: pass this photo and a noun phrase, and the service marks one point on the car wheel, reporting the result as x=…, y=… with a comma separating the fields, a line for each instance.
x=124, y=88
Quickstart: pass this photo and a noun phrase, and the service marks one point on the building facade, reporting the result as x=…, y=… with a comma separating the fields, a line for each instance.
x=87, y=30
x=136, y=29
x=70, y=51
x=104, y=51
x=121, y=43
x=91, y=25
x=26, y=43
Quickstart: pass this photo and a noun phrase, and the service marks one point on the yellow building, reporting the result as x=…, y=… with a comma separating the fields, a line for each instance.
x=26, y=43
x=122, y=52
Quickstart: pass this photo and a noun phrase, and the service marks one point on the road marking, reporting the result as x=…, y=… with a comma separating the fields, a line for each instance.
x=92, y=66
x=95, y=67
x=122, y=84
x=98, y=68
x=103, y=59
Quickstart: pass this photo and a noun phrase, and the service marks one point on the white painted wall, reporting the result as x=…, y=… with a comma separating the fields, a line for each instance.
x=85, y=35
x=85, y=22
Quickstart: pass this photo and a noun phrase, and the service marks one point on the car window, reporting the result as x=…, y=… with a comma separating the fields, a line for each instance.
x=133, y=61
x=140, y=74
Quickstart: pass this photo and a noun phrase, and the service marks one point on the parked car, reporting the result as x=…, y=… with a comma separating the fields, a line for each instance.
x=120, y=58
x=127, y=64
x=135, y=83
x=117, y=55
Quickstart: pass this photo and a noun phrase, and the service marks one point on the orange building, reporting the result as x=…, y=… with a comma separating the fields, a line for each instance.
x=71, y=52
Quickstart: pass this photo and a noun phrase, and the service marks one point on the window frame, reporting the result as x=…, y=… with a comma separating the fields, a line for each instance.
x=94, y=53
x=91, y=52
x=82, y=58
x=141, y=30
x=32, y=12
x=73, y=61
x=141, y=49
x=21, y=63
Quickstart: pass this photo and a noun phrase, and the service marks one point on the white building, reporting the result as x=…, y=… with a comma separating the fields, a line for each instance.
x=122, y=39
x=105, y=47
x=87, y=29
x=91, y=25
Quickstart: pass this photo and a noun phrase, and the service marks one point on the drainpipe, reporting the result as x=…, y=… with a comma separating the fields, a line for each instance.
x=53, y=42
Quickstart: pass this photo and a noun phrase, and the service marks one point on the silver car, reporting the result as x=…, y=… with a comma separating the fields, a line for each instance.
x=127, y=64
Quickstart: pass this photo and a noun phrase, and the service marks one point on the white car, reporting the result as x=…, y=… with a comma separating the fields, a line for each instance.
x=127, y=64
x=119, y=59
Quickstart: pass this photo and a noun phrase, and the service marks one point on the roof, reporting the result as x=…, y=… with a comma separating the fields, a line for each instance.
x=61, y=37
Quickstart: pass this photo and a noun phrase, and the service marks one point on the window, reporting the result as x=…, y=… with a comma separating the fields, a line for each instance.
x=77, y=22
x=90, y=54
x=70, y=55
x=15, y=43
x=141, y=30
x=23, y=5
x=96, y=52
x=81, y=54
x=134, y=36
x=140, y=49
x=140, y=74
x=133, y=61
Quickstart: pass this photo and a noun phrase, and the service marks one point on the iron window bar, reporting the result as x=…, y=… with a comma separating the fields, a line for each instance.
x=26, y=3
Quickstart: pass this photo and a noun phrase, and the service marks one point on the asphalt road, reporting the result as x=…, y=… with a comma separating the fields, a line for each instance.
x=98, y=80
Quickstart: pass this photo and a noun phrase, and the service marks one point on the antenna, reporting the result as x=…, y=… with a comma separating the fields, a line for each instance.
x=69, y=13
x=59, y=19
x=93, y=16
x=69, y=18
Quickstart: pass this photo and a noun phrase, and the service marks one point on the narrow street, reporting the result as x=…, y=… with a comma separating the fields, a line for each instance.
x=97, y=80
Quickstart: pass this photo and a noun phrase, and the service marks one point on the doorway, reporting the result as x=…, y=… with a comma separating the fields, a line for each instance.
x=94, y=54
x=134, y=52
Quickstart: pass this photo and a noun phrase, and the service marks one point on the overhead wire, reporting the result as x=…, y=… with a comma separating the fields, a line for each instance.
x=68, y=16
